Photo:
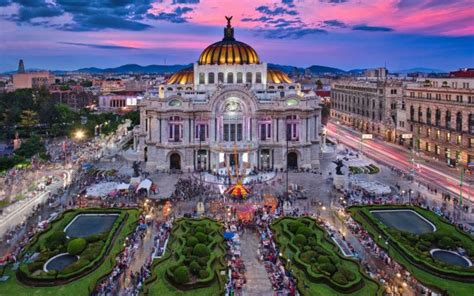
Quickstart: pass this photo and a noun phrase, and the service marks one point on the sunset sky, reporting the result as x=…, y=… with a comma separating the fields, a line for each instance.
x=70, y=34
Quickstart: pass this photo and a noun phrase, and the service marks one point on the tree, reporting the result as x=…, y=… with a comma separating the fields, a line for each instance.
x=76, y=246
x=319, y=84
x=29, y=119
x=181, y=275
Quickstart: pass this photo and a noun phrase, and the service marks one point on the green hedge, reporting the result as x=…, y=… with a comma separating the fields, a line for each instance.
x=422, y=258
x=89, y=261
x=441, y=277
x=186, y=249
x=319, y=259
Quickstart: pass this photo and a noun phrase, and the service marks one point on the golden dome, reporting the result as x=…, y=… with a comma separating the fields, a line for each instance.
x=277, y=76
x=228, y=51
x=184, y=76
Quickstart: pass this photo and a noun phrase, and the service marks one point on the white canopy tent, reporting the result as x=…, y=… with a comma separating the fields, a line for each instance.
x=145, y=184
x=101, y=189
x=372, y=187
x=123, y=186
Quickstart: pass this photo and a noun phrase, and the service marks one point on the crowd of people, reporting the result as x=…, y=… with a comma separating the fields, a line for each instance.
x=385, y=272
x=161, y=238
x=109, y=285
x=282, y=281
x=187, y=188
x=236, y=279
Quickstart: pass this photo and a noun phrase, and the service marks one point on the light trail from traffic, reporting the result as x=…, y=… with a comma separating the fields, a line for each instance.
x=393, y=157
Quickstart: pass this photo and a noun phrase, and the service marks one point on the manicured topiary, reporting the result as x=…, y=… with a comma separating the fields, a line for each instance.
x=181, y=275
x=309, y=256
x=349, y=275
x=323, y=259
x=312, y=241
x=429, y=236
x=203, y=273
x=422, y=247
x=191, y=241
x=200, y=229
x=339, y=278
x=446, y=242
x=299, y=240
x=195, y=267
x=55, y=240
x=76, y=246
x=203, y=260
x=293, y=226
x=304, y=230
x=201, y=250
x=328, y=267
x=201, y=237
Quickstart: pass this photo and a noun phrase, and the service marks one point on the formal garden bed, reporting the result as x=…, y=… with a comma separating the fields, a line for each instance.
x=411, y=243
x=193, y=261
x=316, y=262
x=55, y=263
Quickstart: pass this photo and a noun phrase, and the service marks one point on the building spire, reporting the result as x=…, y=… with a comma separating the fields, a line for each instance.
x=21, y=67
x=228, y=30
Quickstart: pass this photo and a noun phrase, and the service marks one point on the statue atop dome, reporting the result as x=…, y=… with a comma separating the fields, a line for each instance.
x=228, y=30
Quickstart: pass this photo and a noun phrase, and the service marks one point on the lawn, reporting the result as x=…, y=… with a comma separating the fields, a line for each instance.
x=316, y=262
x=83, y=285
x=412, y=250
x=195, y=245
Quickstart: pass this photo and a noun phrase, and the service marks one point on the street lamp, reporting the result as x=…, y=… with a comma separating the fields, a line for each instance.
x=79, y=134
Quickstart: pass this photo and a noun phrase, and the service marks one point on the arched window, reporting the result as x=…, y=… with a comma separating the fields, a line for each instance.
x=230, y=77
x=258, y=77
x=438, y=117
x=175, y=129
x=210, y=78
x=420, y=114
x=448, y=120
x=201, y=78
x=240, y=77
x=220, y=77
x=428, y=116
x=459, y=122
x=248, y=77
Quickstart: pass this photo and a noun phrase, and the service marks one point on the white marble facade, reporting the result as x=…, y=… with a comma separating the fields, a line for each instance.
x=196, y=123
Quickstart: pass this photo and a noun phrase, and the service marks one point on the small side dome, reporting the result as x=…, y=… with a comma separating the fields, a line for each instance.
x=277, y=76
x=185, y=76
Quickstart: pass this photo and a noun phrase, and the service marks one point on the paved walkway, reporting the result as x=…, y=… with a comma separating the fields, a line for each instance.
x=258, y=283
x=140, y=258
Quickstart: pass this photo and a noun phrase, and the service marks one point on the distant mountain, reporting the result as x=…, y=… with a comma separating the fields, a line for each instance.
x=317, y=69
x=285, y=68
x=134, y=68
x=419, y=70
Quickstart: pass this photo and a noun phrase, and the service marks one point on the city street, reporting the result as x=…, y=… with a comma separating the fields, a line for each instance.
x=429, y=173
